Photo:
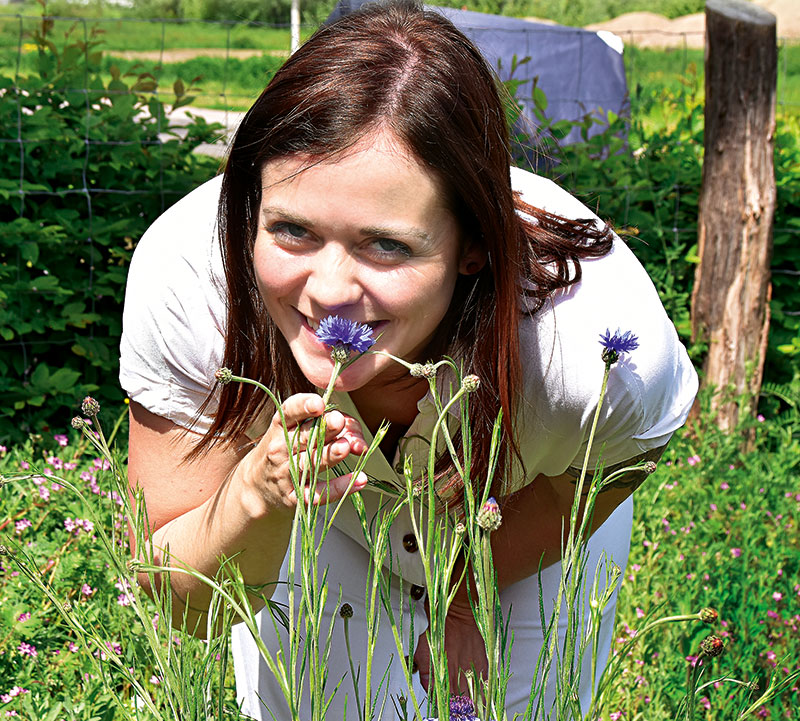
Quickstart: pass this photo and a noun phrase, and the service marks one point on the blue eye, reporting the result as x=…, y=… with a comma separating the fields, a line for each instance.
x=291, y=229
x=387, y=246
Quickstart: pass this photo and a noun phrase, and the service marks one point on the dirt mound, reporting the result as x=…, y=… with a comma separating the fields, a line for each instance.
x=646, y=29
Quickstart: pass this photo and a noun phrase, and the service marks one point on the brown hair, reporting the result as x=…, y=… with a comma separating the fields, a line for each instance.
x=410, y=71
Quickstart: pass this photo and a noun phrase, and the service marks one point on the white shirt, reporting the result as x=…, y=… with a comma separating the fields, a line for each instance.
x=173, y=342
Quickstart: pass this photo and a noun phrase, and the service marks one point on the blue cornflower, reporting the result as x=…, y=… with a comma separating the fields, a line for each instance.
x=344, y=336
x=461, y=709
x=614, y=345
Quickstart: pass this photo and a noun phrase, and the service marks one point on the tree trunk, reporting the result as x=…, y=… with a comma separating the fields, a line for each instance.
x=730, y=301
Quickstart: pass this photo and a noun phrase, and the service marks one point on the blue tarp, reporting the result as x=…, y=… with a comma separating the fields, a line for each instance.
x=579, y=71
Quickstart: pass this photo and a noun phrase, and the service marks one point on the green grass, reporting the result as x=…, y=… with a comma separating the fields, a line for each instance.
x=716, y=526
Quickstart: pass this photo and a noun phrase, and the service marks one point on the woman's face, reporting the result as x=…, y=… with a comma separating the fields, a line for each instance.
x=366, y=236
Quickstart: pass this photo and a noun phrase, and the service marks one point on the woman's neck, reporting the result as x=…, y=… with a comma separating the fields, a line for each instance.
x=393, y=402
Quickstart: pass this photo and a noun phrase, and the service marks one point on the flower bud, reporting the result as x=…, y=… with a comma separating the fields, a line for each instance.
x=422, y=370
x=4, y=551
x=489, y=517
x=709, y=615
x=346, y=611
x=77, y=423
x=649, y=467
x=470, y=383
x=460, y=529
x=712, y=646
x=224, y=376
x=90, y=407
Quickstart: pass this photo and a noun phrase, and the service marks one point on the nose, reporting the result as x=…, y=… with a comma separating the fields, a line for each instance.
x=333, y=282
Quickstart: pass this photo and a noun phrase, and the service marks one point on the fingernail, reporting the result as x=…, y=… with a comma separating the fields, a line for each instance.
x=360, y=480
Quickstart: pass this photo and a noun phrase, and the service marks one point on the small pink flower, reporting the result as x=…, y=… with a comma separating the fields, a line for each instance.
x=616, y=715
x=640, y=613
x=27, y=649
x=736, y=552
x=23, y=617
x=24, y=465
x=21, y=525
x=123, y=599
x=44, y=493
x=760, y=418
x=87, y=590
x=69, y=524
x=73, y=647
x=777, y=596
x=705, y=703
x=693, y=460
x=61, y=439
x=724, y=486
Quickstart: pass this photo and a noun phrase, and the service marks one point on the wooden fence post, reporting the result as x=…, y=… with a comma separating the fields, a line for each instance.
x=730, y=301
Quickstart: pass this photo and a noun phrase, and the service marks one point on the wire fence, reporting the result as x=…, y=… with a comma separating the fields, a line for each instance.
x=224, y=65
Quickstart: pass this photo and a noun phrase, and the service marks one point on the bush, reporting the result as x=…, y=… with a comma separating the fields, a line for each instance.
x=88, y=166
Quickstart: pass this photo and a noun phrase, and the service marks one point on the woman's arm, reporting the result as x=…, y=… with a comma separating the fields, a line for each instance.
x=236, y=500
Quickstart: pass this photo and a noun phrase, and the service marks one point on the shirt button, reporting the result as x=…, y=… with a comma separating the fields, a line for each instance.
x=417, y=592
x=410, y=543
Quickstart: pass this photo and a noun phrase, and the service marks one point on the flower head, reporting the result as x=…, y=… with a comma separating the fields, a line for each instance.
x=344, y=336
x=470, y=383
x=489, y=516
x=462, y=708
x=224, y=376
x=712, y=646
x=90, y=407
x=709, y=615
x=346, y=610
x=617, y=343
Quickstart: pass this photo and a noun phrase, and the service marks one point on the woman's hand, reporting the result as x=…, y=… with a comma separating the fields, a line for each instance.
x=464, y=647
x=269, y=464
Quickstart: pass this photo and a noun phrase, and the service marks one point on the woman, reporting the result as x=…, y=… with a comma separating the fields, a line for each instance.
x=371, y=180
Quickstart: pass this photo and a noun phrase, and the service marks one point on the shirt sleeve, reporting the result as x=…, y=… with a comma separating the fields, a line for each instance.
x=174, y=316
x=650, y=390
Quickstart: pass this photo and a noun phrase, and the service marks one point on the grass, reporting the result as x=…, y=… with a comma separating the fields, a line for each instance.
x=231, y=83
x=716, y=526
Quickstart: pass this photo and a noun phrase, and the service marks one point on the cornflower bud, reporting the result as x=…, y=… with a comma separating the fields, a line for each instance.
x=77, y=423
x=470, y=383
x=460, y=529
x=90, y=407
x=709, y=615
x=712, y=646
x=489, y=517
x=649, y=467
x=224, y=376
x=346, y=611
x=422, y=370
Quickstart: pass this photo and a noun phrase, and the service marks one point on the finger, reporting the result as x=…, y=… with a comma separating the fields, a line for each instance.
x=355, y=434
x=422, y=660
x=302, y=432
x=336, y=489
x=299, y=408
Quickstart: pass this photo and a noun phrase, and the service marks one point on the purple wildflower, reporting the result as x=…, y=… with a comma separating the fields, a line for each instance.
x=27, y=649
x=345, y=336
x=462, y=709
x=617, y=343
x=61, y=439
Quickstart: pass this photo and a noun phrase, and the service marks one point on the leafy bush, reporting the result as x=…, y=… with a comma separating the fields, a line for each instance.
x=88, y=165
x=645, y=178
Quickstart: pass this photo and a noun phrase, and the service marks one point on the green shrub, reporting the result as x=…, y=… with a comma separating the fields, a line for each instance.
x=88, y=165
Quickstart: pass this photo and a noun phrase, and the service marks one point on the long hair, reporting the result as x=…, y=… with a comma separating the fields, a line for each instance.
x=410, y=71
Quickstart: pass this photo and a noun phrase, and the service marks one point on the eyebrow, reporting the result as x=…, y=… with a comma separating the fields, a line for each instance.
x=372, y=230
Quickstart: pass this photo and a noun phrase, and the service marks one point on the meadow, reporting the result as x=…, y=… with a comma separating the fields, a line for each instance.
x=715, y=526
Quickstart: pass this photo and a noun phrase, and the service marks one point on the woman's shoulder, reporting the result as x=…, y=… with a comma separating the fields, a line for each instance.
x=178, y=231
x=544, y=193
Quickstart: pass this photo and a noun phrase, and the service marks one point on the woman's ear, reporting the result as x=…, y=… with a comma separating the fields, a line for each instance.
x=472, y=260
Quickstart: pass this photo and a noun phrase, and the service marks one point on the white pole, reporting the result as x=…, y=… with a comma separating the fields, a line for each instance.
x=295, y=24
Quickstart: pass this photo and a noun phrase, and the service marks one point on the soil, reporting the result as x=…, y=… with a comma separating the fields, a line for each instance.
x=645, y=29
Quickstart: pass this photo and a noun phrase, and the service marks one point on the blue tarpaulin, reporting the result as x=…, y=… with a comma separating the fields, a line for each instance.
x=580, y=71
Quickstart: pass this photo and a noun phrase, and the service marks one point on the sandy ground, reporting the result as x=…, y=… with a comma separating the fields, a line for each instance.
x=646, y=29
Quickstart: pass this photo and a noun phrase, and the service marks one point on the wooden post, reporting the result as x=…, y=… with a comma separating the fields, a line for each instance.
x=730, y=301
